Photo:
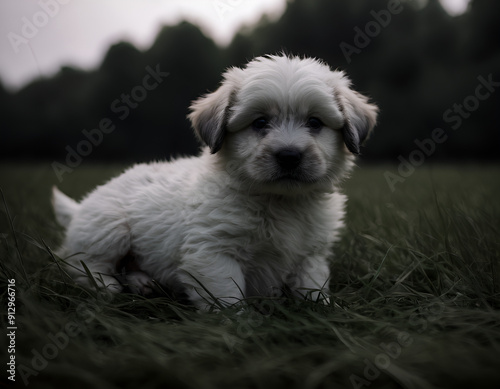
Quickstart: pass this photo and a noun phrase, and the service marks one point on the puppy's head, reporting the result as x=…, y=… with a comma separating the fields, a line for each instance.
x=289, y=125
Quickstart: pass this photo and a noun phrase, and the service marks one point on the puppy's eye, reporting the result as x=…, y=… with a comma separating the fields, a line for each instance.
x=314, y=123
x=260, y=123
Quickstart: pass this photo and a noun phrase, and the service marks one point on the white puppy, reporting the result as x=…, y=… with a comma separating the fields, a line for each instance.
x=257, y=211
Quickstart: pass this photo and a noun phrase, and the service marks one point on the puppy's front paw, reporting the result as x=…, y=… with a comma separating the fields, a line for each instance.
x=139, y=283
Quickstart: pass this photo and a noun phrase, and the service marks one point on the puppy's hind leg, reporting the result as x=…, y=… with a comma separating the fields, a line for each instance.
x=100, y=250
x=88, y=271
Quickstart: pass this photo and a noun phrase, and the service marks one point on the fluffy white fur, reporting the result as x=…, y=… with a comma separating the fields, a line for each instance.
x=258, y=210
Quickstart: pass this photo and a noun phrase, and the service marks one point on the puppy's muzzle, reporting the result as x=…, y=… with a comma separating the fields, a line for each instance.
x=288, y=159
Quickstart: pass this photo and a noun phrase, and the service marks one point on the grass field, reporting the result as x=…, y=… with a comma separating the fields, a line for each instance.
x=415, y=299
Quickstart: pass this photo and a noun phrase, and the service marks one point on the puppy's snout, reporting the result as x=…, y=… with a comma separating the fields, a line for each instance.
x=288, y=158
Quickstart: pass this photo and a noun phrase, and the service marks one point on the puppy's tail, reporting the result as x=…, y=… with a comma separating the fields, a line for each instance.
x=64, y=207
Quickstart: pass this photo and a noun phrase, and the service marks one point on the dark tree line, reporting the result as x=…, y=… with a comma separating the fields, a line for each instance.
x=421, y=66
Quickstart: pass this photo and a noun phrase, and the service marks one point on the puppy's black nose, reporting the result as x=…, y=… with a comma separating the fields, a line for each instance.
x=288, y=158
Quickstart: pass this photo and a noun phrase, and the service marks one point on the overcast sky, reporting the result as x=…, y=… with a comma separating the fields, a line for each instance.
x=37, y=37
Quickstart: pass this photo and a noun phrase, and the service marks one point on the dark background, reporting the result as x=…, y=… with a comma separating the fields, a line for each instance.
x=416, y=68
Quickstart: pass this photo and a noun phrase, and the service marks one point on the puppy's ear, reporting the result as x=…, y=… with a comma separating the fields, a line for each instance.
x=210, y=113
x=360, y=116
